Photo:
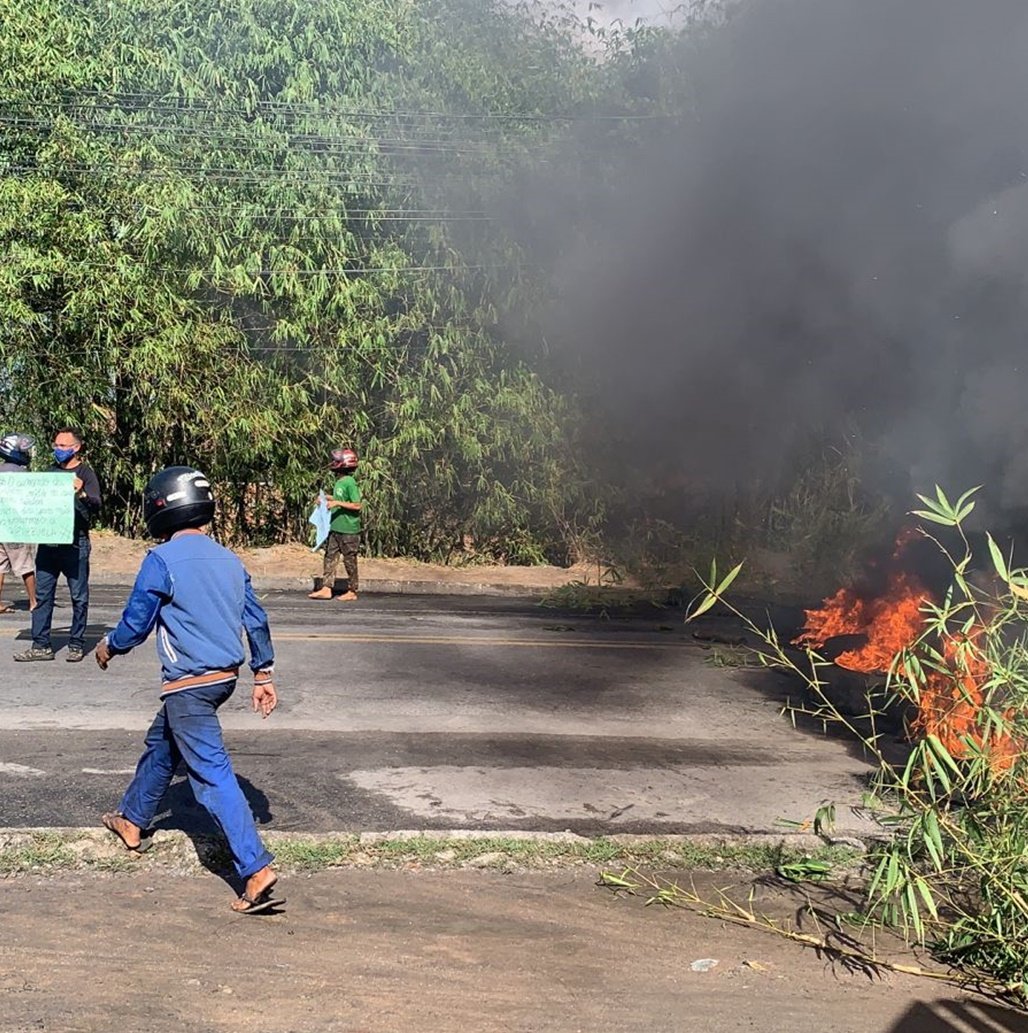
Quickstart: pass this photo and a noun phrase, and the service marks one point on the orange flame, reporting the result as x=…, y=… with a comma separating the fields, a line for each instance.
x=891, y=623
x=950, y=702
x=950, y=699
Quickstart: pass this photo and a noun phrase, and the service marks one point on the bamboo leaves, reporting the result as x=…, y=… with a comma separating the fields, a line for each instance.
x=221, y=242
x=951, y=870
x=941, y=511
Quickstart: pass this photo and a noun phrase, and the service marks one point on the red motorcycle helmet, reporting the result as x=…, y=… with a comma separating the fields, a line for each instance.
x=343, y=459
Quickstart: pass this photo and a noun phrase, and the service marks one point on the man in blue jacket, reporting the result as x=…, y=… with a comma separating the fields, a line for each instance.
x=198, y=597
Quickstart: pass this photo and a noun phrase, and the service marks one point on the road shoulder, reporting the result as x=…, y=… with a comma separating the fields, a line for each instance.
x=400, y=950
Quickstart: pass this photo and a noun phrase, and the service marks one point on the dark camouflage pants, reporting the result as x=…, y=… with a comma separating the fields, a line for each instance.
x=347, y=546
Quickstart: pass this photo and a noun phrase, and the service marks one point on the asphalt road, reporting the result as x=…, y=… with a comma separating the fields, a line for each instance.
x=432, y=712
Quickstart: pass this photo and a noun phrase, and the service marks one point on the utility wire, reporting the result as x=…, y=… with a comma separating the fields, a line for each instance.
x=270, y=348
x=314, y=177
x=380, y=214
x=230, y=174
x=311, y=143
x=113, y=99
x=233, y=270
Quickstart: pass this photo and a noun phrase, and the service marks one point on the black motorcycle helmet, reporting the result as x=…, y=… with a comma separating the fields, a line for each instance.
x=17, y=448
x=175, y=498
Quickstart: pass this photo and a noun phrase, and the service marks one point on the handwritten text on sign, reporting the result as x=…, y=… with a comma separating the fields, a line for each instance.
x=37, y=508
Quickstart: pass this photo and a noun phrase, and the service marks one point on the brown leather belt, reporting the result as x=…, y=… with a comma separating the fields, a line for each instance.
x=210, y=678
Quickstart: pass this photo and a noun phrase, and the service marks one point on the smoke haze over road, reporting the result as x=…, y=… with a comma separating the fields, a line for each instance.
x=835, y=238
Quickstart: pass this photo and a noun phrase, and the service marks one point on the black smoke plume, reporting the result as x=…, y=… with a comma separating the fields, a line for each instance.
x=833, y=238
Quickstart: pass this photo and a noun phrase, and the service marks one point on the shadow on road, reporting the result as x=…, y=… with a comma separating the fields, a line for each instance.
x=959, y=1016
x=59, y=636
x=180, y=811
x=818, y=910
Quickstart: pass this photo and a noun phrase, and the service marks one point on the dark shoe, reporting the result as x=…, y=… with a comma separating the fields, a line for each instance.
x=34, y=653
x=75, y=655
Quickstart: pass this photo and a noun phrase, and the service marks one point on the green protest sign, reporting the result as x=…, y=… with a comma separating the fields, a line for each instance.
x=37, y=508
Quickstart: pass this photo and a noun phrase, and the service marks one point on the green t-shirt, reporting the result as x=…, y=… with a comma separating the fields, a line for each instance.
x=346, y=521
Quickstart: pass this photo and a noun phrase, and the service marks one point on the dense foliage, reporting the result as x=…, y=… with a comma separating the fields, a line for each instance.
x=238, y=235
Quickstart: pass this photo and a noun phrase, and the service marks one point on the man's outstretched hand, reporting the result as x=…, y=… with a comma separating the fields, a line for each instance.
x=265, y=699
x=103, y=654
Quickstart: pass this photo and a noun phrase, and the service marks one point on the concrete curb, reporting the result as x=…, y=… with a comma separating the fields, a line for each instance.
x=797, y=840
x=49, y=852
x=10, y=836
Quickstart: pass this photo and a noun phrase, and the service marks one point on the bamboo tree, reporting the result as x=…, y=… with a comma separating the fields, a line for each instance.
x=231, y=234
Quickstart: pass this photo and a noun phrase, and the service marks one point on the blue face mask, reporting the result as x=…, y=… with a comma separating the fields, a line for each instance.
x=62, y=455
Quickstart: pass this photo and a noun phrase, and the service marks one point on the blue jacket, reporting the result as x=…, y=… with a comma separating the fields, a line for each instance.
x=198, y=596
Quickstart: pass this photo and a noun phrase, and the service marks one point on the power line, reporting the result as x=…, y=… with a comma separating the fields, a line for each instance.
x=201, y=118
x=230, y=270
x=287, y=236
x=312, y=108
x=442, y=213
x=224, y=174
x=316, y=177
x=308, y=143
x=381, y=215
x=271, y=348
x=262, y=210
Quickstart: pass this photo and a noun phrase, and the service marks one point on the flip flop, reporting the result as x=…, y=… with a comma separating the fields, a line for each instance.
x=145, y=838
x=6, y=608
x=262, y=902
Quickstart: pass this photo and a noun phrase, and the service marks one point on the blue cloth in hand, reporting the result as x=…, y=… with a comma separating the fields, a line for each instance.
x=322, y=521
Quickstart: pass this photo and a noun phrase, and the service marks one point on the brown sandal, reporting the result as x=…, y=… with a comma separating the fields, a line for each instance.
x=262, y=902
x=145, y=838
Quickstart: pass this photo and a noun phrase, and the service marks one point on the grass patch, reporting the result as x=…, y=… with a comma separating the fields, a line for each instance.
x=600, y=599
x=732, y=657
x=59, y=851
x=505, y=851
x=123, y=862
x=310, y=855
x=36, y=851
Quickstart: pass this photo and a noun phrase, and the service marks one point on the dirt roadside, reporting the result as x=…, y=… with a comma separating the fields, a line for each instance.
x=371, y=951
x=117, y=559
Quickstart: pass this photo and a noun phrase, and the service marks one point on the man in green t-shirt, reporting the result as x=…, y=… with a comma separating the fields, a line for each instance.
x=345, y=535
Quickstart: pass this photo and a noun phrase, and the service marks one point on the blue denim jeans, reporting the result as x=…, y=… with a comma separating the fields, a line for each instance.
x=53, y=562
x=187, y=729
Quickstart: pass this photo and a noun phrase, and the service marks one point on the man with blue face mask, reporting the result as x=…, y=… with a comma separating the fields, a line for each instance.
x=68, y=561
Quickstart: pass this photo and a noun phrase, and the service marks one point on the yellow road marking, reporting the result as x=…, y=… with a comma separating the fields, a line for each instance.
x=465, y=640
